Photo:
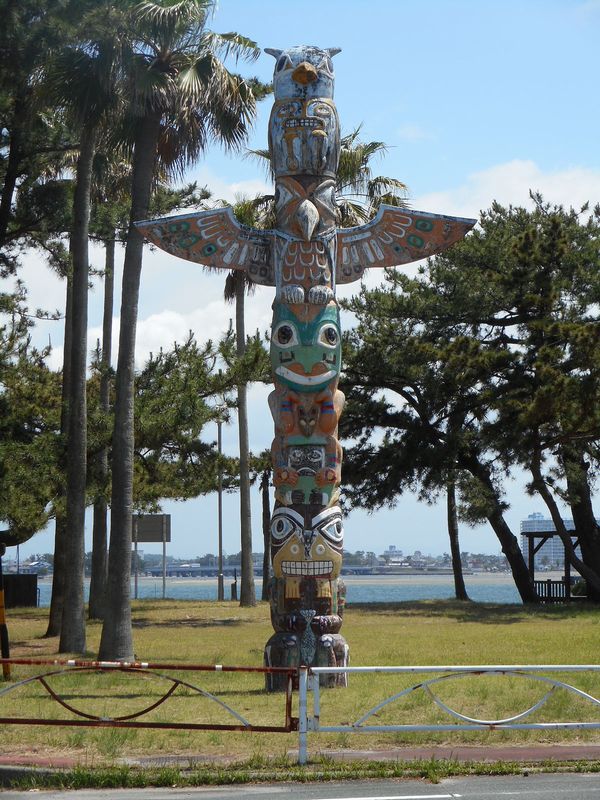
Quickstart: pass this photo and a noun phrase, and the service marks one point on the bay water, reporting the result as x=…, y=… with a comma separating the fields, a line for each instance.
x=481, y=587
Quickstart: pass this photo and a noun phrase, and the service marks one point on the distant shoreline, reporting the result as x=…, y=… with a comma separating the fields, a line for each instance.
x=413, y=576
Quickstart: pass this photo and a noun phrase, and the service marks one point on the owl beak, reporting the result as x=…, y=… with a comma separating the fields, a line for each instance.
x=307, y=217
x=305, y=73
x=308, y=537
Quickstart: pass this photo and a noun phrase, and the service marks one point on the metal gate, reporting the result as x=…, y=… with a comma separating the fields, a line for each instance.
x=310, y=721
x=159, y=671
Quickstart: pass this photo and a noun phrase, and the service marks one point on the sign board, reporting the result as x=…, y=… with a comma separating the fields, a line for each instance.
x=152, y=527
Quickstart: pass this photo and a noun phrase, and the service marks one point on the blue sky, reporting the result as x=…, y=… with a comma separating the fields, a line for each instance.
x=476, y=100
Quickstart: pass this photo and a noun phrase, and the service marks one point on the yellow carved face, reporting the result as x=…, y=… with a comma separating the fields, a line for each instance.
x=307, y=550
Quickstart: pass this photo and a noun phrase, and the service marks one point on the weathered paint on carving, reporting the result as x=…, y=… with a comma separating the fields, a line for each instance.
x=304, y=258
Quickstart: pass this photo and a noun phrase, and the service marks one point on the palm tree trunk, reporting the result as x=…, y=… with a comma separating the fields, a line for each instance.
x=117, y=638
x=99, y=535
x=58, y=577
x=460, y=589
x=247, y=591
x=72, y=631
x=265, y=488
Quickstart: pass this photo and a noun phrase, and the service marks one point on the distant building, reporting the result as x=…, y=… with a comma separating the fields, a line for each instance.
x=392, y=553
x=552, y=552
x=40, y=567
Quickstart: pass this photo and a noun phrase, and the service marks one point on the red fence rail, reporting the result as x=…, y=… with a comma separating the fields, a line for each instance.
x=154, y=669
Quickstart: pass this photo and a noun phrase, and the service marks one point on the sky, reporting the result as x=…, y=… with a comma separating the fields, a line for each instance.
x=476, y=100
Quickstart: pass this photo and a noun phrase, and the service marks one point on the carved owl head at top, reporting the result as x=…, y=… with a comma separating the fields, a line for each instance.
x=303, y=71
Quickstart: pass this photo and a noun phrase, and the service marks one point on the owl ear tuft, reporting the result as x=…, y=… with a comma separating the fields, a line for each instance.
x=333, y=51
x=273, y=52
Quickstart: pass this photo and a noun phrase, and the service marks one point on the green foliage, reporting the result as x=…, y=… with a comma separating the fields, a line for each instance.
x=31, y=453
x=175, y=399
x=488, y=357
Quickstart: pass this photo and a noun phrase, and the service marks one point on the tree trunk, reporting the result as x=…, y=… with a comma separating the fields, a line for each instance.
x=460, y=589
x=508, y=541
x=13, y=165
x=592, y=578
x=247, y=590
x=580, y=501
x=265, y=489
x=117, y=639
x=99, y=536
x=58, y=577
x=72, y=631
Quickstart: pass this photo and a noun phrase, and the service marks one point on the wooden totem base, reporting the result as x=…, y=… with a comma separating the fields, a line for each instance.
x=307, y=636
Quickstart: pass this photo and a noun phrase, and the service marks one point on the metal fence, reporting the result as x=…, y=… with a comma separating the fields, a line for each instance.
x=307, y=680
x=310, y=720
x=160, y=672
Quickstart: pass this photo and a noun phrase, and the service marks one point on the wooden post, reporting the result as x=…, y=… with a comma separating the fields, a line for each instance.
x=164, y=541
x=220, y=584
x=567, y=577
x=135, y=556
x=530, y=542
x=4, y=645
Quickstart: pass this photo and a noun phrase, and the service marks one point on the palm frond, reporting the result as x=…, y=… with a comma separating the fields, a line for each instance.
x=169, y=13
x=264, y=158
x=231, y=44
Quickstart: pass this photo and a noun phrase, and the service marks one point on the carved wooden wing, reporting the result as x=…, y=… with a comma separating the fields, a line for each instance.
x=214, y=239
x=395, y=236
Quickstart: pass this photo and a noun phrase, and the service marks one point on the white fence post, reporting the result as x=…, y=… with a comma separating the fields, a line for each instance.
x=302, y=715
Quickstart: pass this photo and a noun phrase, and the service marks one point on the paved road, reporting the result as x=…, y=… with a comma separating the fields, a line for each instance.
x=532, y=787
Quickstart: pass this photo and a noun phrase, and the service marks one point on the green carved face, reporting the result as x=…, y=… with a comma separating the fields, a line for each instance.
x=305, y=355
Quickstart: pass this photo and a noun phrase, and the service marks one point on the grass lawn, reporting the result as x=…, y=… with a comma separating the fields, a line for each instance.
x=434, y=632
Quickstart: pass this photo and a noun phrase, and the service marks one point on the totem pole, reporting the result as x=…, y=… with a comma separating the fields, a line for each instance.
x=305, y=257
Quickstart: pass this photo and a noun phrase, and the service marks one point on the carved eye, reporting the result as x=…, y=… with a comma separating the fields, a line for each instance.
x=329, y=336
x=321, y=109
x=285, y=335
x=333, y=530
x=281, y=528
x=283, y=62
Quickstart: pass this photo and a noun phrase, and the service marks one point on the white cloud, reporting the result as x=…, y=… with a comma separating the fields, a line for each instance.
x=209, y=321
x=510, y=183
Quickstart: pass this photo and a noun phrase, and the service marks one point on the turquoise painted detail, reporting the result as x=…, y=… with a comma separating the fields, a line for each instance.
x=305, y=355
x=414, y=241
x=424, y=225
x=188, y=241
x=178, y=227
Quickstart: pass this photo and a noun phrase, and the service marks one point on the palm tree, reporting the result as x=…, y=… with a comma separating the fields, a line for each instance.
x=181, y=96
x=359, y=192
x=237, y=284
x=80, y=79
x=110, y=188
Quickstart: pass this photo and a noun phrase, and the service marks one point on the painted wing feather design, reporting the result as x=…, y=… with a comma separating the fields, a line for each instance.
x=395, y=236
x=214, y=239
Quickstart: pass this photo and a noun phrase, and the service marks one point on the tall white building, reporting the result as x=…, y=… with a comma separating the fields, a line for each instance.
x=551, y=553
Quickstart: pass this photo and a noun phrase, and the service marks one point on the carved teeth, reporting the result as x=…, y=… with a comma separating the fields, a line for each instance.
x=306, y=567
x=303, y=122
